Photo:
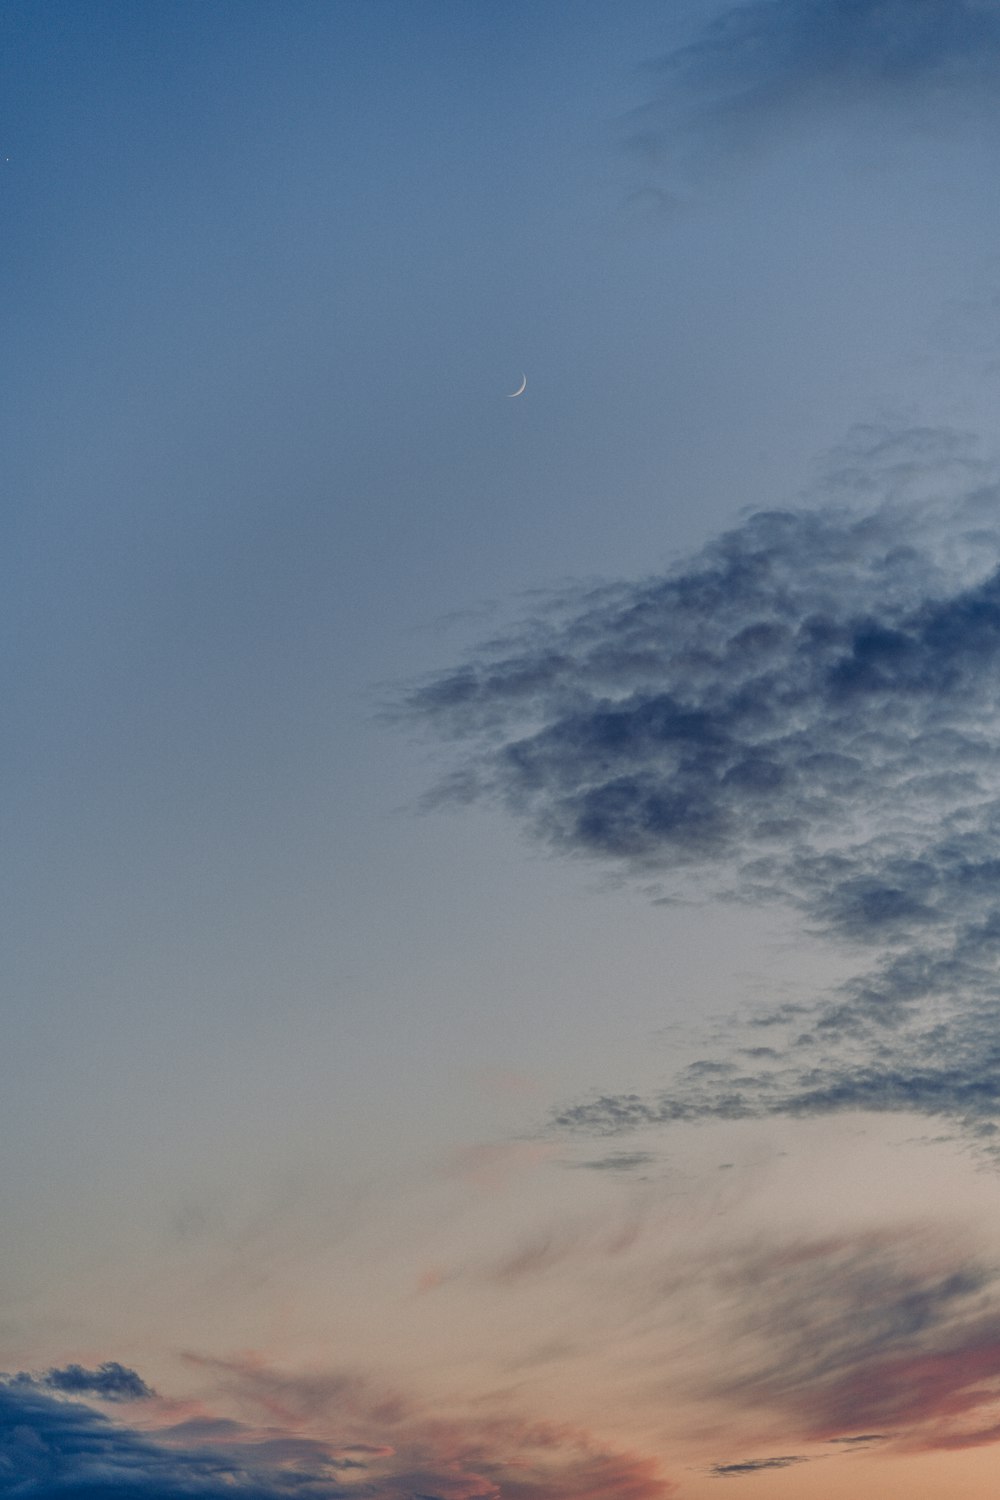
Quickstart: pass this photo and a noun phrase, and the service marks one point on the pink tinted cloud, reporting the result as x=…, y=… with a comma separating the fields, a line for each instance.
x=924, y=1387
x=397, y=1447
x=592, y=1476
x=897, y=1332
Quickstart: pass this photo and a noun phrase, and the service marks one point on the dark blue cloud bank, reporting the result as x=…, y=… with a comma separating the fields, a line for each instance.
x=109, y=1382
x=808, y=711
x=52, y=1448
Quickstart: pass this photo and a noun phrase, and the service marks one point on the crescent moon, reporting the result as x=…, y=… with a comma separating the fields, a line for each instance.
x=512, y=394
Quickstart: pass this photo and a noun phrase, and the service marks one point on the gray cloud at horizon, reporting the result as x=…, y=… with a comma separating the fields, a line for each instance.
x=806, y=712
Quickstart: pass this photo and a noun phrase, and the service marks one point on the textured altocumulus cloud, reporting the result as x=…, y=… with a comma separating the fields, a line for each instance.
x=759, y=69
x=110, y=1381
x=325, y=1436
x=808, y=711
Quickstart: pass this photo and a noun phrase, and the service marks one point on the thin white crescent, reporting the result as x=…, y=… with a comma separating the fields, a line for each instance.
x=512, y=394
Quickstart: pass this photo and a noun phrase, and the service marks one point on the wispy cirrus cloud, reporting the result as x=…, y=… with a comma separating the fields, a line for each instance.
x=833, y=1343
x=407, y=1447
x=761, y=72
x=808, y=712
x=863, y=1338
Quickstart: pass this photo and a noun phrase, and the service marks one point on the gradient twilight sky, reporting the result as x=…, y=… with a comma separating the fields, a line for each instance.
x=502, y=897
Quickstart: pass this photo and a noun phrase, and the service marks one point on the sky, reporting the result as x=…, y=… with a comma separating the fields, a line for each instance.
x=501, y=932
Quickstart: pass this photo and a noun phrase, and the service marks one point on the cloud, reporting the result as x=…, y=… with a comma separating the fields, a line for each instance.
x=762, y=701
x=903, y=1080
x=843, y=1341
x=551, y=1249
x=410, y=1450
x=805, y=712
x=617, y=1161
x=761, y=70
x=109, y=1382
x=864, y=1338
x=755, y=1465
x=51, y=1447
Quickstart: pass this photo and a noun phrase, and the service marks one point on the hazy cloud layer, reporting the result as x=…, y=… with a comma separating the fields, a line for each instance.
x=763, y=70
x=807, y=711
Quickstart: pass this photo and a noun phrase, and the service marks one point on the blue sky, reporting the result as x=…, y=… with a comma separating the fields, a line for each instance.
x=386, y=1041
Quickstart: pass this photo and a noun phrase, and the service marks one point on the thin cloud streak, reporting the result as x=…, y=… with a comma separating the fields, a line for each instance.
x=756, y=1465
